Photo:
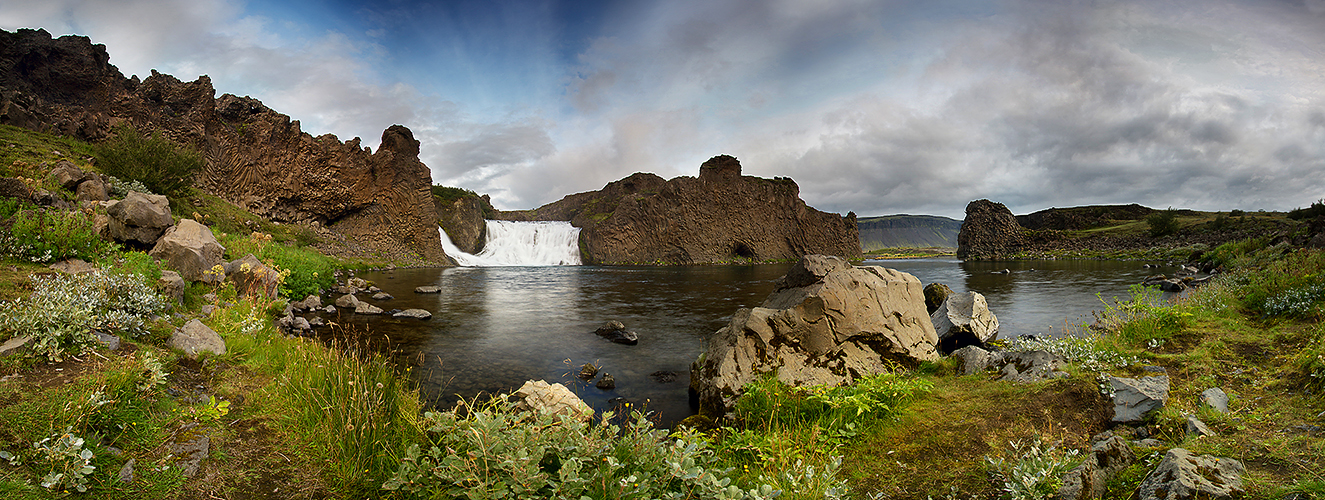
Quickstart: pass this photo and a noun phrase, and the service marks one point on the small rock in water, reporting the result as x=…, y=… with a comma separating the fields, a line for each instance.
x=663, y=376
x=616, y=332
x=606, y=383
x=428, y=289
x=588, y=371
x=382, y=296
x=412, y=313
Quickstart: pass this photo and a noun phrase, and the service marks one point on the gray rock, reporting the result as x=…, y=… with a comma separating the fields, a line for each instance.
x=16, y=345
x=311, y=302
x=607, y=383
x=194, y=338
x=301, y=323
x=374, y=289
x=1032, y=366
x=191, y=249
x=1105, y=459
x=11, y=187
x=172, y=286
x=1182, y=476
x=826, y=323
x=1133, y=399
x=972, y=359
x=1195, y=427
x=92, y=190
x=126, y=472
x=347, y=301
x=428, y=289
x=964, y=319
x=366, y=308
x=329, y=309
x=207, y=310
x=192, y=453
x=382, y=296
x=539, y=396
x=111, y=342
x=316, y=322
x=139, y=218
x=1215, y=399
x=1150, y=443
x=69, y=175
x=413, y=313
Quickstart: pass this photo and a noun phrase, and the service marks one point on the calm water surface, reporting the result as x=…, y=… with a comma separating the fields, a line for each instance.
x=494, y=328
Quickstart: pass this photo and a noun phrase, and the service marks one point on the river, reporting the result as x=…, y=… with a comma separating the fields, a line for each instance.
x=495, y=327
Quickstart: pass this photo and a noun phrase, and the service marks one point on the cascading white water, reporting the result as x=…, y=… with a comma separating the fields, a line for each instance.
x=512, y=243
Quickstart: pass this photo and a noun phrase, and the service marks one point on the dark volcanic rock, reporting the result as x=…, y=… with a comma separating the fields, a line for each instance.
x=720, y=216
x=616, y=332
x=464, y=222
x=372, y=203
x=989, y=231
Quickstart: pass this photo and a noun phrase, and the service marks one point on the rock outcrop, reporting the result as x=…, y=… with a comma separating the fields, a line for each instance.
x=827, y=323
x=990, y=231
x=463, y=220
x=362, y=202
x=719, y=217
x=1182, y=476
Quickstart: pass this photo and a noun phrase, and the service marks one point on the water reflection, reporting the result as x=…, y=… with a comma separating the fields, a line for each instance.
x=494, y=328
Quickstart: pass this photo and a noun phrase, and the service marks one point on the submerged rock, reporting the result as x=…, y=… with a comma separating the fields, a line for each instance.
x=616, y=332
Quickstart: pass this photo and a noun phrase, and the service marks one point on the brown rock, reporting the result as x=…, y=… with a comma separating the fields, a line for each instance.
x=989, y=231
x=374, y=204
x=463, y=221
x=252, y=277
x=14, y=188
x=719, y=217
x=935, y=294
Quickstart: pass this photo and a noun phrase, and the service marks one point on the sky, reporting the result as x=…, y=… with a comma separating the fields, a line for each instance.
x=877, y=107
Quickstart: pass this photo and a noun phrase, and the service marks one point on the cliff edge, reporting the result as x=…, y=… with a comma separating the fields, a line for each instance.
x=364, y=203
x=719, y=217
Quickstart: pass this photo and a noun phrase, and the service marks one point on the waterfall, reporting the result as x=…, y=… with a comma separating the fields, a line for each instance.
x=521, y=244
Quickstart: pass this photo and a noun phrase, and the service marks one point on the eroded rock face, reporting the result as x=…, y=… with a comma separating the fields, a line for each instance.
x=721, y=216
x=827, y=323
x=189, y=248
x=463, y=221
x=989, y=231
x=372, y=202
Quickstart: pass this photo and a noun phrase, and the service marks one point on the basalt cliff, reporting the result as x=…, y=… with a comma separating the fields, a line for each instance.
x=363, y=203
x=719, y=217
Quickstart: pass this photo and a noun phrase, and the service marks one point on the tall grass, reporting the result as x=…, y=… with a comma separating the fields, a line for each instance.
x=43, y=235
x=783, y=432
x=349, y=406
x=309, y=270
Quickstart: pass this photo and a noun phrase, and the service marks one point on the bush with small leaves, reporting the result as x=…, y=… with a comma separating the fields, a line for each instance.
x=64, y=311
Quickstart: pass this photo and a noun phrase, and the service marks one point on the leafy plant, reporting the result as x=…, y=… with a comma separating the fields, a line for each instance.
x=64, y=310
x=1088, y=352
x=70, y=464
x=1142, y=318
x=154, y=373
x=42, y=235
x=213, y=410
x=160, y=164
x=493, y=451
x=1033, y=469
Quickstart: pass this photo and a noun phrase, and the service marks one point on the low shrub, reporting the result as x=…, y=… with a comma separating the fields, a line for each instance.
x=1089, y=352
x=308, y=270
x=160, y=164
x=490, y=450
x=1162, y=222
x=1031, y=470
x=64, y=311
x=1142, y=320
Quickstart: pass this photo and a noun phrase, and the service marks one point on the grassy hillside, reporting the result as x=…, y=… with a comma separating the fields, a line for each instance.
x=907, y=231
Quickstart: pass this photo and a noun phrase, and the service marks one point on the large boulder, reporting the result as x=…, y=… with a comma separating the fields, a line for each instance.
x=195, y=338
x=139, y=218
x=1182, y=475
x=827, y=323
x=189, y=248
x=69, y=175
x=542, y=397
x=964, y=319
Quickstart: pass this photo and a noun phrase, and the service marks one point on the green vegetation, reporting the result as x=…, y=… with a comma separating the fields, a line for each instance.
x=910, y=253
x=1162, y=222
x=159, y=163
x=446, y=194
x=47, y=235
